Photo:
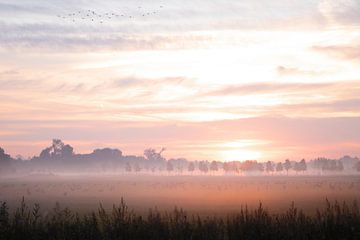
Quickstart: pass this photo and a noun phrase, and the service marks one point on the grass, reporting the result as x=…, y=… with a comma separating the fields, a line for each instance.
x=333, y=221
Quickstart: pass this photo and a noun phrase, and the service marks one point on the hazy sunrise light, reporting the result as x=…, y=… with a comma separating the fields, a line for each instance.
x=231, y=109
x=196, y=72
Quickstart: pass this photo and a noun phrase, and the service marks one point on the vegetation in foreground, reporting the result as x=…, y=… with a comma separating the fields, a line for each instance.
x=334, y=221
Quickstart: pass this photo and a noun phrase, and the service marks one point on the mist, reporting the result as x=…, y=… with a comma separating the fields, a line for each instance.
x=82, y=181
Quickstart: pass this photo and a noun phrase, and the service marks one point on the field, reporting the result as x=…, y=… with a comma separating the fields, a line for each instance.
x=203, y=195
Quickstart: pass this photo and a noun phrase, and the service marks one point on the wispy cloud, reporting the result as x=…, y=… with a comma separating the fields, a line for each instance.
x=340, y=12
x=348, y=52
x=200, y=73
x=273, y=88
x=284, y=70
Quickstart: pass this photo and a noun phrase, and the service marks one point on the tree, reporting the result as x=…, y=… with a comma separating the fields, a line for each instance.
x=279, y=167
x=203, y=167
x=328, y=164
x=287, y=165
x=5, y=160
x=3, y=156
x=153, y=156
x=169, y=167
x=107, y=154
x=67, y=151
x=357, y=166
x=340, y=166
x=128, y=167
x=249, y=165
x=137, y=167
x=191, y=167
x=260, y=167
x=58, y=150
x=300, y=166
x=269, y=167
x=214, y=166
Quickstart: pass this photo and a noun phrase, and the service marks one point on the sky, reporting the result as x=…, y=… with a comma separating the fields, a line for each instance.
x=217, y=80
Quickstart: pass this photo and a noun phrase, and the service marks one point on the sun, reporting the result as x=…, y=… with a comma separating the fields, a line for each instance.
x=239, y=155
x=240, y=150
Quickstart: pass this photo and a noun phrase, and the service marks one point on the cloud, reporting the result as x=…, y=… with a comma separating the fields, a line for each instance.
x=330, y=108
x=149, y=85
x=35, y=25
x=284, y=71
x=12, y=84
x=264, y=88
x=10, y=7
x=7, y=73
x=57, y=37
x=134, y=82
x=340, y=11
x=348, y=52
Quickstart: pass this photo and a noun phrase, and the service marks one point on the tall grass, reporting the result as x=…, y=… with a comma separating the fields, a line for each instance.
x=333, y=221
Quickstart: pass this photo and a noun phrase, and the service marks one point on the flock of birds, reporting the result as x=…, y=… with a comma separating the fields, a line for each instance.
x=96, y=17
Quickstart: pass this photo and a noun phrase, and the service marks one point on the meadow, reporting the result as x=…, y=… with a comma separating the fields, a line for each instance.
x=140, y=206
x=334, y=221
x=204, y=195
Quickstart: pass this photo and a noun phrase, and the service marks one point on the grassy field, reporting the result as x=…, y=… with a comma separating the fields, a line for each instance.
x=333, y=221
x=204, y=195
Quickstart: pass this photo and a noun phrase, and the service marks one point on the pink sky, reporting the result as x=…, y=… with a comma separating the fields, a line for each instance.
x=225, y=80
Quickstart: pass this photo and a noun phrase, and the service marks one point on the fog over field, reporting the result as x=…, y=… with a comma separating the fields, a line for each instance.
x=206, y=195
x=83, y=181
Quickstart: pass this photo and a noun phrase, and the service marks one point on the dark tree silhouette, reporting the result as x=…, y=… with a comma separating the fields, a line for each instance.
x=3, y=156
x=191, y=167
x=107, y=154
x=340, y=166
x=226, y=167
x=169, y=167
x=203, y=166
x=269, y=167
x=357, y=166
x=214, y=166
x=58, y=150
x=5, y=161
x=279, y=167
x=128, y=167
x=260, y=167
x=325, y=164
x=287, y=165
x=137, y=167
x=153, y=156
x=300, y=166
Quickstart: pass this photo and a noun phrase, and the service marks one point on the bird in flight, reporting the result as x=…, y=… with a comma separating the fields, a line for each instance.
x=91, y=16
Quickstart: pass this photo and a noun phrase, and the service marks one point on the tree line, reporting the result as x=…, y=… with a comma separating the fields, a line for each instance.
x=60, y=157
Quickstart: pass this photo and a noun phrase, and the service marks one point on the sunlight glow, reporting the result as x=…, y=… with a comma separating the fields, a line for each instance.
x=239, y=155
